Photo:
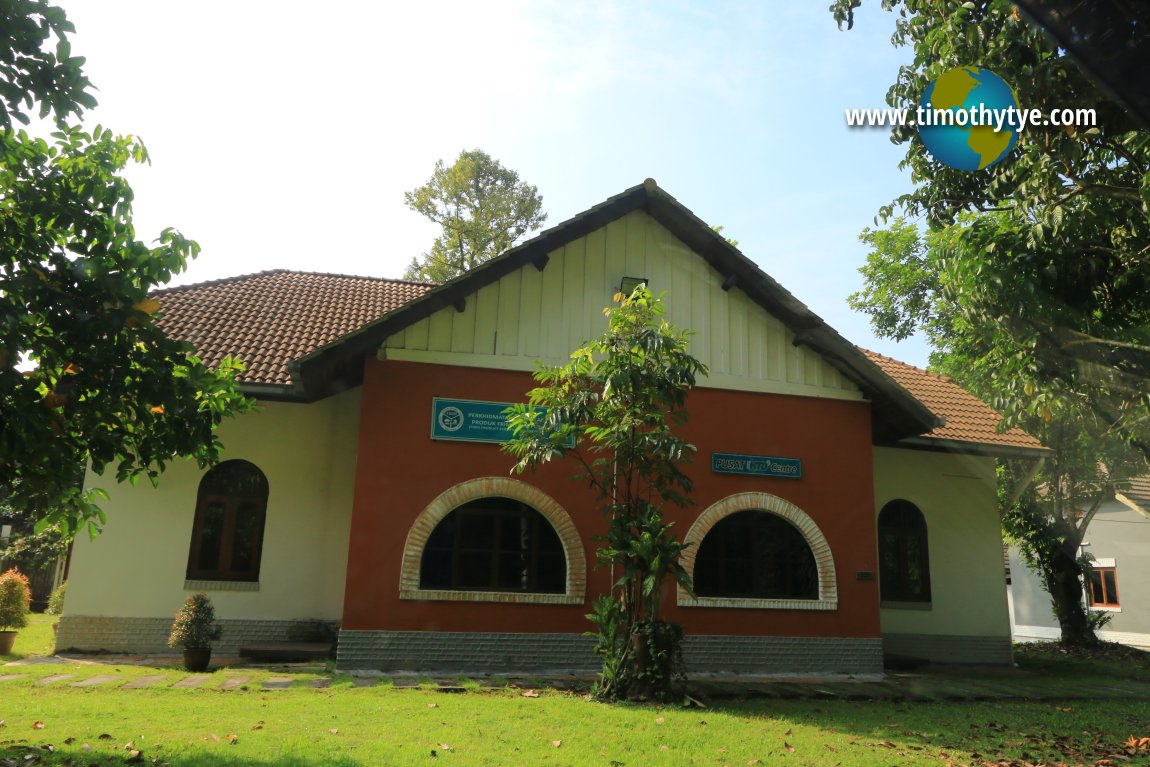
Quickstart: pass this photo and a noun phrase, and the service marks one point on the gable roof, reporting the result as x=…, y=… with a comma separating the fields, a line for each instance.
x=339, y=365
x=966, y=420
x=270, y=318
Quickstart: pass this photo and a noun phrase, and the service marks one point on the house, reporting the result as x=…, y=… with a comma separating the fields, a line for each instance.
x=844, y=503
x=1118, y=541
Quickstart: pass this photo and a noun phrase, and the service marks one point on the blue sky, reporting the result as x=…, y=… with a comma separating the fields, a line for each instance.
x=284, y=136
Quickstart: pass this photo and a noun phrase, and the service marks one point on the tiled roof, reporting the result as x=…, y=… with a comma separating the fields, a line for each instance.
x=269, y=318
x=1138, y=492
x=967, y=418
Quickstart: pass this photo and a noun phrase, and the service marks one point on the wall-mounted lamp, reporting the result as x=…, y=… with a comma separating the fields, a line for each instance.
x=628, y=284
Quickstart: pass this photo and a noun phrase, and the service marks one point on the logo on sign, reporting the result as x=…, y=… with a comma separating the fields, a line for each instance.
x=451, y=418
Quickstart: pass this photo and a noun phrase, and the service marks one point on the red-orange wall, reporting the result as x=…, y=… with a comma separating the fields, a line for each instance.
x=401, y=469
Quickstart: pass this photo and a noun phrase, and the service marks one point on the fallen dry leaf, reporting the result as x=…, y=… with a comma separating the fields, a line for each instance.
x=104, y=736
x=85, y=747
x=433, y=705
x=445, y=747
x=831, y=748
x=660, y=720
x=556, y=743
x=38, y=726
x=233, y=738
x=788, y=747
x=529, y=694
x=257, y=726
x=334, y=731
x=788, y=733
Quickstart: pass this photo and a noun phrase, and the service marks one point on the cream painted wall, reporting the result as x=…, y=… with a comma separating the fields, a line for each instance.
x=137, y=566
x=956, y=494
x=529, y=315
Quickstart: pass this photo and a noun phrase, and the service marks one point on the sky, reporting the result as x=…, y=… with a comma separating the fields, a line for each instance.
x=284, y=136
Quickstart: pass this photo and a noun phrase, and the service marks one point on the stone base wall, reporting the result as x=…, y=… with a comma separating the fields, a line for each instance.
x=88, y=633
x=940, y=648
x=464, y=652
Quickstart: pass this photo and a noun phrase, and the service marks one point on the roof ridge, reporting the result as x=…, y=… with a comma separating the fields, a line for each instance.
x=270, y=272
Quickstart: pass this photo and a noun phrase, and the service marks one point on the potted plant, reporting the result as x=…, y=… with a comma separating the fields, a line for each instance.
x=194, y=630
x=15, y=599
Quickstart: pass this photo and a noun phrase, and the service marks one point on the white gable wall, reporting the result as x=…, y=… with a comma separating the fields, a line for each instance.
x=529, y=315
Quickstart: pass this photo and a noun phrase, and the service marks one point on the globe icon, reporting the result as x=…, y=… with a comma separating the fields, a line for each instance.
x=977, y=100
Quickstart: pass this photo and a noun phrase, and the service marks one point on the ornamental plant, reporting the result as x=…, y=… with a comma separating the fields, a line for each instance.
x=613, y=410
x=195, y=627
x=15, y=600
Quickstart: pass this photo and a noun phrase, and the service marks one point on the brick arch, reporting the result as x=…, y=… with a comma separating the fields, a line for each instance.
x=488, y=487
x=824, y=561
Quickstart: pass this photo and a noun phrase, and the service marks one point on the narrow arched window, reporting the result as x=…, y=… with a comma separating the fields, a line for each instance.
x=903, y=554
x=228, y=533
x=755, y=554
x=494, y=544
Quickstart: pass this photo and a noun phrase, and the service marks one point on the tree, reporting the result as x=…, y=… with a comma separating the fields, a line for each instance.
x=613, y=409
x=1048, y=251
x=1045, y=511
x=483, y=209
x=86, y=376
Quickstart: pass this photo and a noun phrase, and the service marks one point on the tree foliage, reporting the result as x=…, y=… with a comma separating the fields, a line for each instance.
x=482, y=207
x=1046, y=254
x=613, y=409
x=86, y=376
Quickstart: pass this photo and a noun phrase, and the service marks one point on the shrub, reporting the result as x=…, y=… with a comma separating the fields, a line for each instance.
x=195, y=627
x=15, y=600
x=56, y=600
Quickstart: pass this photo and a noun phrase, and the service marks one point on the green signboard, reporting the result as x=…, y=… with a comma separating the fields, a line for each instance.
x=756, y=465
x=468, y=420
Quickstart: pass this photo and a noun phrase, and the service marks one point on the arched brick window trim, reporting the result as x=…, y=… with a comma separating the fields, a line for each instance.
x=488, y=487
x=828, y=598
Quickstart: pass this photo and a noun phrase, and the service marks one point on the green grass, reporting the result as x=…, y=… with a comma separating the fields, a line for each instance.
x=34, y=639
x=348, y=727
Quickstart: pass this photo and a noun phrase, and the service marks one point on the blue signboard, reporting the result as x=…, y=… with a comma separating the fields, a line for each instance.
x=467, y=420
x=756, y=465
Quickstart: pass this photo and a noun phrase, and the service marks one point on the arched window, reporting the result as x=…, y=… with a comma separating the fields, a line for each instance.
x=494, y=544
x=903, y=556
x=755, y=554
x=228, y=533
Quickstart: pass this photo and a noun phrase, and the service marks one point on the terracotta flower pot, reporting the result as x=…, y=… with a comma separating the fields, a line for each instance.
x=197, y=659
x=7, y=638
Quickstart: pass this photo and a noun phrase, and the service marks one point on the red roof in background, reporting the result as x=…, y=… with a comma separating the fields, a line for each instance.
x=270, y=318
x=967, y=418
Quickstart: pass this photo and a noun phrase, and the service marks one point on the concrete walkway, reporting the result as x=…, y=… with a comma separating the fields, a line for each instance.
x=939, y=684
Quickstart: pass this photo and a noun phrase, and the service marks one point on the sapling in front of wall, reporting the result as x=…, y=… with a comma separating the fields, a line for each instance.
x=194, y=630
x=613, y=410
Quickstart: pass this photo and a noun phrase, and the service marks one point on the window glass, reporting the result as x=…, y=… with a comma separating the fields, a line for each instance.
x=755, y=555
x=227, y=534
x=494, y=544
x=903, y=554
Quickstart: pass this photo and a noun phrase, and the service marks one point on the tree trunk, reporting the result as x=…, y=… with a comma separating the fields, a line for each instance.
x=1065, y=587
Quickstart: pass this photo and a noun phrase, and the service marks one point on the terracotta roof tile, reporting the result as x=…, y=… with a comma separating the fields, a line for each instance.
x=269, y=318
x=966, y=418
x=1138, y=491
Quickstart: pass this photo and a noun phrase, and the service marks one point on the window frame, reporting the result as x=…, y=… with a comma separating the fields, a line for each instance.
x=897, y=592
x=480, y=487
x=485, y=509
x=824, y=559
x=1103, y=606
x=719, y=538
x=206, y=497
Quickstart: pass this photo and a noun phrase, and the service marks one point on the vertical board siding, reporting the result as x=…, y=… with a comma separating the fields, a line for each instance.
x=528, y=314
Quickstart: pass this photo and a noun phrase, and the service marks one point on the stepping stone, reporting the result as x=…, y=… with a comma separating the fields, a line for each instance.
x=405, y=684
x=10, y=677
x=96, y=680
x=144, y=681
x=365, y=681
x=192, y=681
x=277, y=683
x=233, y=682
x=54, y=678
x=320, y=684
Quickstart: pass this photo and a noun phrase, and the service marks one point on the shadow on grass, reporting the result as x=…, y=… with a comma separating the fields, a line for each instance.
x=66, y=756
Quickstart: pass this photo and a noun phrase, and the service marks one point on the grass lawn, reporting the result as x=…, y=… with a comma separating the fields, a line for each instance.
x=347, y=726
